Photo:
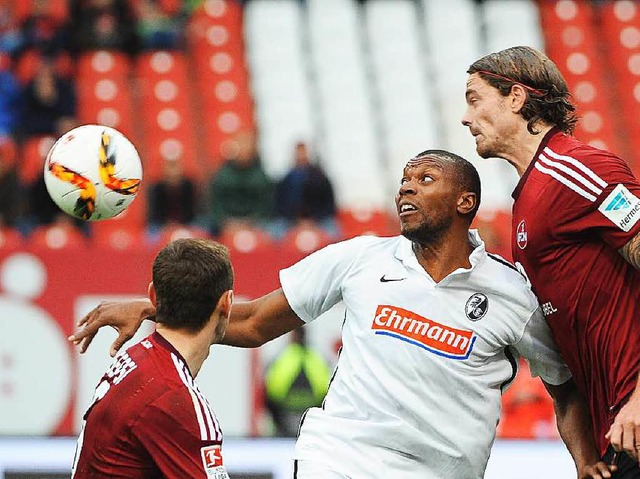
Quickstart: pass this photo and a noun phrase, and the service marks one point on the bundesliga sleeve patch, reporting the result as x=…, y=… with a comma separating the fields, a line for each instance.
x=621, y=207
x=212, y=461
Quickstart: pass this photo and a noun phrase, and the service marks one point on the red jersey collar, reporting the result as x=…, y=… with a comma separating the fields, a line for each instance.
x=543, y=144
x=163, y=343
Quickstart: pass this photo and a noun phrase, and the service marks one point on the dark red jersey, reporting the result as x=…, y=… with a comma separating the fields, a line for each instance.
x=575, y=206
x=149, y=419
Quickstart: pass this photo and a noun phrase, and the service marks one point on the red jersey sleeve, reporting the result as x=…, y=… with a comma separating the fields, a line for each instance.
x=182, y=441
x=610, y=210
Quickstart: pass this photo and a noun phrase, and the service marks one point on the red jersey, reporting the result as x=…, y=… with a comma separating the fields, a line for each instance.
x=149, y=419
x=575, y=206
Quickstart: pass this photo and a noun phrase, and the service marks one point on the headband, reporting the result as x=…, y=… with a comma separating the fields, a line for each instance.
x=527, y=87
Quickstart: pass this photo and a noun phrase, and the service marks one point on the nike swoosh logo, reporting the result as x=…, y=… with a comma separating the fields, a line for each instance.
x=384, y=279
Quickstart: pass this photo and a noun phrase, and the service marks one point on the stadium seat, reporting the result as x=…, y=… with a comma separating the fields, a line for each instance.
x=573, y=43
x=216, y=46
x=620, y=24
x=56, y=9
x=274, y=39
x=509, y=23
x=10, y=239
x=119, y=238
x=407, y=117
x=306, y=238
x=166, y=113
x=173, y=232
x=449, y=65
x=245, y=239
x=366, y=221
x=57, y=236
x=350, y=145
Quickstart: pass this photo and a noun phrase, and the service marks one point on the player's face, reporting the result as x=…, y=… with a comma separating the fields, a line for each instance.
x=427, y=198
x=488, y=117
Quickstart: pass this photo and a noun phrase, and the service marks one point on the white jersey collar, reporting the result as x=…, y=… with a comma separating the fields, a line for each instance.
x=404, y=252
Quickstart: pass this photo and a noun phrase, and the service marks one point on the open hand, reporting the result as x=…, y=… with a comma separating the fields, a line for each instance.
x=600, y=470
x=124, y=316
x=624, y=433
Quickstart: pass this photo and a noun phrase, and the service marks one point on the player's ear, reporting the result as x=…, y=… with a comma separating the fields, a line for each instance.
x=151, y=291
x=518, y=98
x=467, y=202
x=225, y=302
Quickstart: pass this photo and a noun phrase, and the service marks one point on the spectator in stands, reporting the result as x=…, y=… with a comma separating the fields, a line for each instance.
x=9, y=183
x=295, y=381
x=11, y=37
x=49, y=103
x=527, y=409
x=305, y=193
x=39, y=208
x=241, y=191
x=42, y=31
x=10, y=98
x=104, y=24
x=156, y=28
x=172, y=200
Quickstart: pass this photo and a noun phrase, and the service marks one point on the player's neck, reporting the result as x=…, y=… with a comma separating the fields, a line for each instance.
x=194, y=347
x=443, y=256
x=522, y=148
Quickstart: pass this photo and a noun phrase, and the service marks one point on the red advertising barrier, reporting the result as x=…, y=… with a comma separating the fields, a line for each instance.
x=42, y=291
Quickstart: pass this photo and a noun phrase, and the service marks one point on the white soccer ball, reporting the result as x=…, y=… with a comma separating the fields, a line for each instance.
x=93, y=172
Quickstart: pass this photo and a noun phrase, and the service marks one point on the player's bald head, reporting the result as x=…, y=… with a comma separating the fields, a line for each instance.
x=463, y=173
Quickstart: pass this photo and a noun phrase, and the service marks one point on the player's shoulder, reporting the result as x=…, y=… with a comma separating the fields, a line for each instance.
x=507, y=280
x=581, y=158
x=503, y=269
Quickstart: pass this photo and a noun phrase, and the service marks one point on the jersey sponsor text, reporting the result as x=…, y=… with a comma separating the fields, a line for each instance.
x=621, y=207
x=428, y=334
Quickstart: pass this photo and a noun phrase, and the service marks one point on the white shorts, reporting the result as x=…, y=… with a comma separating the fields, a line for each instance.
x=314, y=470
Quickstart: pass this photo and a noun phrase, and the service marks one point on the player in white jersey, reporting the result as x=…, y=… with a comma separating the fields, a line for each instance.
x=433, y=329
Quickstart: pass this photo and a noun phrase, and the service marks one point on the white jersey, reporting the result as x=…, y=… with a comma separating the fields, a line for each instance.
x=416, y=392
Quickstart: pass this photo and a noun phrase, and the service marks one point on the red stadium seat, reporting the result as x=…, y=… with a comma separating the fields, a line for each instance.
x=34, y=152
x=573, y=44
x=103, y=64
x=620, y=23
x=173, y=232
x=10, y=239
x=217, y=47
x=306, y=238
x=118, y=238
x=57, y=236
x=245, y=239
x=367, y=222
x=167, y=117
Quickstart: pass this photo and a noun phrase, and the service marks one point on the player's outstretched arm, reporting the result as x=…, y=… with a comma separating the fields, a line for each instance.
x=574, y=425
x=256, y=322
x=124, y=316
x=631, y=251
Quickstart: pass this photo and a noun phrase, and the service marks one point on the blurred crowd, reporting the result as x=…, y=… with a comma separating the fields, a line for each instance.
x=37, y=54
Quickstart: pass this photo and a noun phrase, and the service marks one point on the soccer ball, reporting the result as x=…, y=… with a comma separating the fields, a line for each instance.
x=93, y=172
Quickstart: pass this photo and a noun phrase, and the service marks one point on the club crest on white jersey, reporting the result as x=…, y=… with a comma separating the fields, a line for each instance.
x=476, y=307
